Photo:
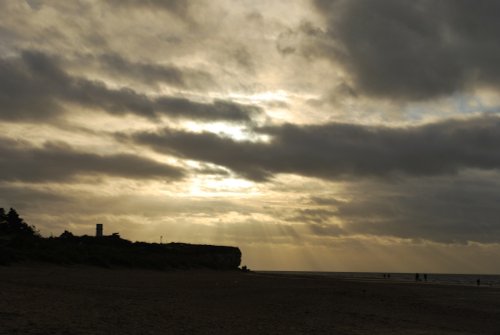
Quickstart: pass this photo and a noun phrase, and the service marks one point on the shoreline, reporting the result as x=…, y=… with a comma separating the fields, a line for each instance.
x=489, y=280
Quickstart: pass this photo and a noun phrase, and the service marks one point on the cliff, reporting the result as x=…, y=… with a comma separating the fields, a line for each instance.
x=21, y=242
x=112, y=250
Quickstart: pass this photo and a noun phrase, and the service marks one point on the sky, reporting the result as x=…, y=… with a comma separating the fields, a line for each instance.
x=343, y=135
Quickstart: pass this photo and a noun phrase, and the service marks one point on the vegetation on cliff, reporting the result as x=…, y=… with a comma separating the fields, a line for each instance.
x=22, y=242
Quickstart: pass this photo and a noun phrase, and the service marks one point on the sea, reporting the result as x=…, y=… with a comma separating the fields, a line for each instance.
x=485, y=280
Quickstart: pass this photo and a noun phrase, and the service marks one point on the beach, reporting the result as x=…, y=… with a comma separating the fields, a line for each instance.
x=47, y=299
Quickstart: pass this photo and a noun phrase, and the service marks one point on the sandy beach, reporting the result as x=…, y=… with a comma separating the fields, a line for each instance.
x=42, y=299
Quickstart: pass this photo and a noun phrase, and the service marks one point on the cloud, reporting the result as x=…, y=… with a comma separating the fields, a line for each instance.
x=336, y=150
x=59, y=162
x=412, y=50
x=312, y=215
x=243, y=157
x=23, y=94
x=24, y=197
x=152, y=74
x=179, y=7
x=443, y=209
x=33, y=87
x=325, y=201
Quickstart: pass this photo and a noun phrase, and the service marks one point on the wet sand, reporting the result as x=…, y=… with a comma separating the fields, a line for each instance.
x=39, y=299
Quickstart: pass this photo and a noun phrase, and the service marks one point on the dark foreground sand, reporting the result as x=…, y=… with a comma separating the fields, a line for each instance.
x=75, y=300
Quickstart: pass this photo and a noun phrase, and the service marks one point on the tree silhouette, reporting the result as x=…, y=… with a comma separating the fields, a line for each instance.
x=3, y=217
x=12, y=223
x=67, y=235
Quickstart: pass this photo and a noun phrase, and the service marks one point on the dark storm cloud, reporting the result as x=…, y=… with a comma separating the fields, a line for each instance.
x=154, y=73
x=245, y=158
x=33, y=86
x=22, y=196
x=23, y=94
x=412, y=49
x=58, y=162
x=443, y=209
x=337, y=150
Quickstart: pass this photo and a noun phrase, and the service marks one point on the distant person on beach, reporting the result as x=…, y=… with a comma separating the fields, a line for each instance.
x=478, y=282
x=425, y=276
x=389, y=275
x=417, y=277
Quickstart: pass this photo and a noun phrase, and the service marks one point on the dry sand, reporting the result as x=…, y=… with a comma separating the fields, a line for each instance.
x=78, y=300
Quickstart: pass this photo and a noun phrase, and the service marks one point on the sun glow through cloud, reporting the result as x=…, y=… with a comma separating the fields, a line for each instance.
x=222, y=187
x=323, y=139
